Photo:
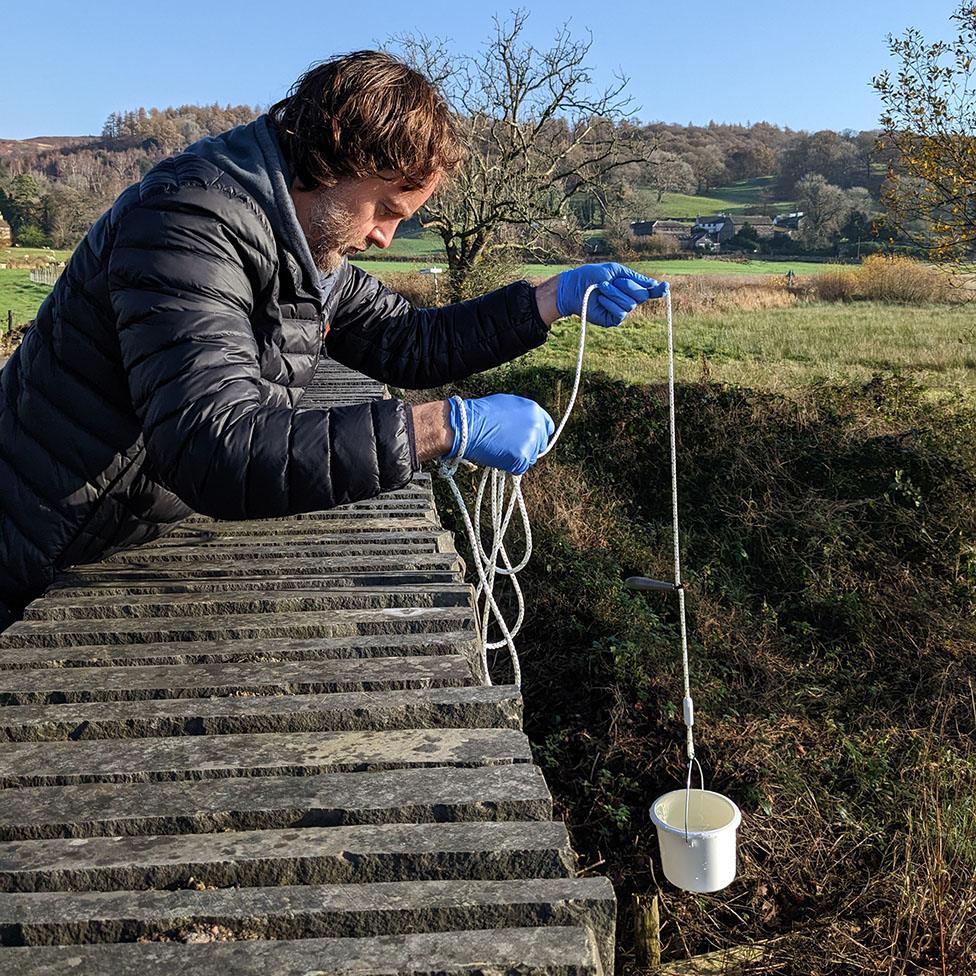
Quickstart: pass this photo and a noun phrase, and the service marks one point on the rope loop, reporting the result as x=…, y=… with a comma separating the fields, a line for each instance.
x=501, y=493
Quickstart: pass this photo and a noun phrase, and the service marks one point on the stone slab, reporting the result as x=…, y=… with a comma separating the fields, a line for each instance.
x=445, y=707
x=53, y=685
x=314, y=549
x=551, y=951
x=510, y=791
x=325, y=623
x=232, y=578
x=257, y=754
x=400, y=531
x=312, y=855
x=210, y=652
x=253, y=754
x=302, y=598
x=295, y=567
x=310, y=911
x=406, y=514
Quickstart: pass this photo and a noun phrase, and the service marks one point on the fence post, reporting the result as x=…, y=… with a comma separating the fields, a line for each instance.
x=10, y=320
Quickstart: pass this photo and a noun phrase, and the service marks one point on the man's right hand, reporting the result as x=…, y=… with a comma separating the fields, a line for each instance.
x=504, y=431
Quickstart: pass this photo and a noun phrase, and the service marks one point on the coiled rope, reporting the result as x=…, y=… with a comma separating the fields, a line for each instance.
x=503, y=492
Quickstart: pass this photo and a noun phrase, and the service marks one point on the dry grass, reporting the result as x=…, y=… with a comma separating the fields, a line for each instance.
x=9, y=341
x=895, y=279
x=718, y=294
x=694, y=295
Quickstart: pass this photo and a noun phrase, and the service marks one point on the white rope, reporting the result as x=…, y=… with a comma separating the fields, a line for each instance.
x=504, y=496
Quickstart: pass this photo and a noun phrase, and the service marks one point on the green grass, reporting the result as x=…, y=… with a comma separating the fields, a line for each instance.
x=427, y=246
x=738, y=198
x=662, y=268
x=19, y=294
x=784, y=349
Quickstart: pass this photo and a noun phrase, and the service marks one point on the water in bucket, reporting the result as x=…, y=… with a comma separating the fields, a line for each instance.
x=697, y=854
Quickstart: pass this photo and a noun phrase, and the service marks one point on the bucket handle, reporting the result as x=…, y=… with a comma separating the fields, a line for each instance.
x=692, y=763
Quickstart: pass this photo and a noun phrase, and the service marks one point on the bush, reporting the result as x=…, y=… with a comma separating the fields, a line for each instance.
x=423, y=292
x=834, y=286
x=903, y=280
x=32, y=236
x=713, y=294
x=884, y=278
x=420, y=290
x=485, y=276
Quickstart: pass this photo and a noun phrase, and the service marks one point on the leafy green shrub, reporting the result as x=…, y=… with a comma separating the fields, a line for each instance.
x=32, y=236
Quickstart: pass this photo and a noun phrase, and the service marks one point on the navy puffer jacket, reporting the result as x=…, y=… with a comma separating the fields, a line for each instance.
x=164, y=373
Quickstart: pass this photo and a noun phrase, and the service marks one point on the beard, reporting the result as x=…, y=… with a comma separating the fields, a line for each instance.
x=333, y=233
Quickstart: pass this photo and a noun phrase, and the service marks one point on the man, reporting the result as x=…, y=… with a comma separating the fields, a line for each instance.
x=163, y=375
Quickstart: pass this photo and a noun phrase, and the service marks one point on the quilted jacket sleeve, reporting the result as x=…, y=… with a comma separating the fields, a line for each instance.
x=185, y=267
x=379, y=333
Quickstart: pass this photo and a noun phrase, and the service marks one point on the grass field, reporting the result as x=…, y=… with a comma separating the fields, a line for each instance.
x=15, y=253
x=739, y=198
x=426, y=247
x=783, y=349
x=826, y=489
x=662, y=268
x=20, y=295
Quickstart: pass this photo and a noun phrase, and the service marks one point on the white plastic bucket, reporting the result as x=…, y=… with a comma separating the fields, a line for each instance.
x=704, y=859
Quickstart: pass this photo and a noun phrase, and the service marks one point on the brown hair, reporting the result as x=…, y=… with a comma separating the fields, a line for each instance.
x=358, y=114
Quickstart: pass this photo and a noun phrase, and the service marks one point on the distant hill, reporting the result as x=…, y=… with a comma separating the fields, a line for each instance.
x=39, y=144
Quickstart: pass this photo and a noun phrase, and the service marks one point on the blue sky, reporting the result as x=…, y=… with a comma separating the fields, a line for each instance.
x=67, y=65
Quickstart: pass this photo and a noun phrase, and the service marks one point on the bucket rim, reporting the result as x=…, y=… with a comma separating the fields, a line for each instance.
x=733, y=824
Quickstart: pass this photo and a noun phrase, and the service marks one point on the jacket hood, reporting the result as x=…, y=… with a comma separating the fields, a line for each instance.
x=251, y=155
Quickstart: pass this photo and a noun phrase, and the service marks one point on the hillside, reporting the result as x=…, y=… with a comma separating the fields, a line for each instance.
x=31, y=147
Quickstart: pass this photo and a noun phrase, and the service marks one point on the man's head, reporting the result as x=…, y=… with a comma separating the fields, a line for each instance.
x=367, y=139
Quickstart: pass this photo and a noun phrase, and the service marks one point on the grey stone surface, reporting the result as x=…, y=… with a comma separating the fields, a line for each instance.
x=446, y=707
x=340, y=566
x=40, y=685
x=322, y=549
x=312, y=911
x=277, y=731
x=301, y=599
x=415, y=513
x=260, y=754
x=311, y=855
x=273, y=579
x=399, y=532
x=511, y=791
x=323, y=623
x=550, y=951
x=213, y=651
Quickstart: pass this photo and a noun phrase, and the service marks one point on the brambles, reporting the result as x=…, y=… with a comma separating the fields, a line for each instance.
x=828, y=541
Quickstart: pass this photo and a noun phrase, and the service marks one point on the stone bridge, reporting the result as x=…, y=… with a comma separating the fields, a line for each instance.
x=267, y=748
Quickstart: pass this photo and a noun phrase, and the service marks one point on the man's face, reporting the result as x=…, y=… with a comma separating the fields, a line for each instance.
x=355, y=214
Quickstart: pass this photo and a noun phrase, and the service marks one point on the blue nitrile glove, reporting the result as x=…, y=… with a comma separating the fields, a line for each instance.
x=504, y=431
x=621, y=289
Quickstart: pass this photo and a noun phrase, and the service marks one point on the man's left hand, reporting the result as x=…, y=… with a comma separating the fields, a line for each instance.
x=619, y=290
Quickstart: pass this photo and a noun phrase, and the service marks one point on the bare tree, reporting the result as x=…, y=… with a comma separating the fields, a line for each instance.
x=537, y=134
x=826, y=206
x=669, y=173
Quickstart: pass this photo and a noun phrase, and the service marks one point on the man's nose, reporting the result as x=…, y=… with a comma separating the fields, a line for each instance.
x=381, y=236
